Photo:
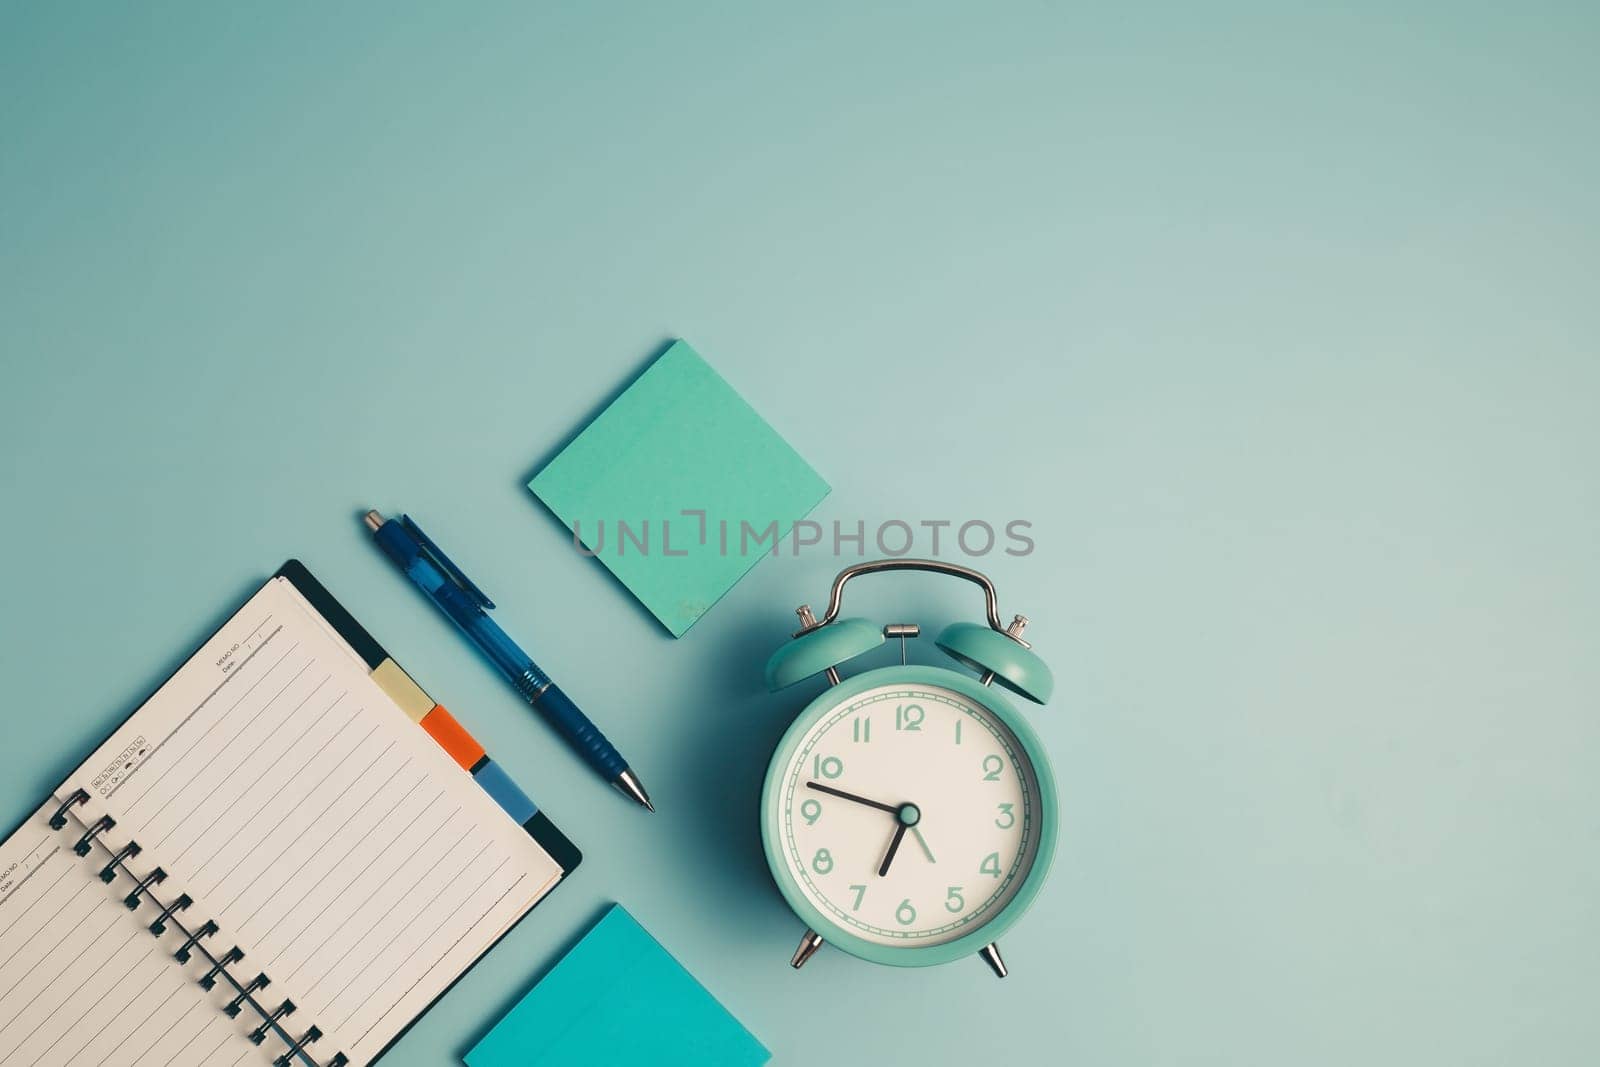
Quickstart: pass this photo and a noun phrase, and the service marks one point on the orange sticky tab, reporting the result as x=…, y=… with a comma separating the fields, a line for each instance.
x=452, y=737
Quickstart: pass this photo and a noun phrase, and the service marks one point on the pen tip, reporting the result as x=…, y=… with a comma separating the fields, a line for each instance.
x=633, y=789
x=373, y=519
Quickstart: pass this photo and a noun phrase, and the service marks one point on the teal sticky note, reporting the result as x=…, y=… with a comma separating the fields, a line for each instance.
x=618, y=997
x=679, y=487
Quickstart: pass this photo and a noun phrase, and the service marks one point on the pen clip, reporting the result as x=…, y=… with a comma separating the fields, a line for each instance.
x=437, y=556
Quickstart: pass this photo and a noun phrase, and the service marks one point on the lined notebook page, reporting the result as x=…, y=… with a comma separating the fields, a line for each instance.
x=83, y=981
x=332, y=840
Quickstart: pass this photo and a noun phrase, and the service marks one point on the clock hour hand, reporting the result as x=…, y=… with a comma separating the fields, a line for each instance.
x=892, y=809
x=908, y=815
x=894, y=846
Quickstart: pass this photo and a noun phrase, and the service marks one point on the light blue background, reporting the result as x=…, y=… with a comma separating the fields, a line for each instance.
x=1278, y=322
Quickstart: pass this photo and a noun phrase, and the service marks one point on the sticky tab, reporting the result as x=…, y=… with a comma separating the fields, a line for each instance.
x=506, y=793
x=402, y=690
x=453, y=737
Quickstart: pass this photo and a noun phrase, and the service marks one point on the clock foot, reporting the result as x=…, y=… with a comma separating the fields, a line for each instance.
x=808, y=948
x=990, y=954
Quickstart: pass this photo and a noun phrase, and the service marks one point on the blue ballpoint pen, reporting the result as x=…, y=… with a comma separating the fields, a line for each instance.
x=464, y=603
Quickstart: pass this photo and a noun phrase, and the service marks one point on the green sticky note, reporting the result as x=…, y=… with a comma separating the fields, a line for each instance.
x=618, y=997
x=679, y=487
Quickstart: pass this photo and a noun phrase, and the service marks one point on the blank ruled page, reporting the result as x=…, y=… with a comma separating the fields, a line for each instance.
x=331, y=839
x=84, y=982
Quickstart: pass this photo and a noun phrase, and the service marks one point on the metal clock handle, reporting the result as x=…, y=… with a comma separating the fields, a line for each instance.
x=836, y=595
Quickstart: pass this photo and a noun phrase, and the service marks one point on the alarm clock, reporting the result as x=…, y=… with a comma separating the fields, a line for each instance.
x=909, y=813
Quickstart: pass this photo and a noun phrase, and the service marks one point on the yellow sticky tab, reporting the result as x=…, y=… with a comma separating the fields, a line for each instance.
x=402, y=690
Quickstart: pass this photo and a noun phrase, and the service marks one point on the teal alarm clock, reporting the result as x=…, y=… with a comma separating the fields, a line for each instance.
x=909, y=814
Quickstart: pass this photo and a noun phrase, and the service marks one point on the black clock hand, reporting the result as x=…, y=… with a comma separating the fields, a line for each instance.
x=892, y=809
x=894, y=846
x=908, y=816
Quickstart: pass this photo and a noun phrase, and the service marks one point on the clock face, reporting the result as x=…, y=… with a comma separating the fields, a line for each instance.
x=910, y=815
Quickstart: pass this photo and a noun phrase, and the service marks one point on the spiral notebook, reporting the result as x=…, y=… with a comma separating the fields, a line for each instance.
x=283, y=857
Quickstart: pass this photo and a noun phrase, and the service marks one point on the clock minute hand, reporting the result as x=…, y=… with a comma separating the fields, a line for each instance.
x=892, y=809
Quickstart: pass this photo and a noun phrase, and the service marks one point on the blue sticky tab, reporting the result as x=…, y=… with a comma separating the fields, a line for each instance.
x=498, y=784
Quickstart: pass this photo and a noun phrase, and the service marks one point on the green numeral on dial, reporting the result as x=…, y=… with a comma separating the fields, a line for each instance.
x=992, y=766
x=860, y=729
x=811, y=811
x=989, y=866
x=1007, y=818
x=827, y=767
x=909, y=717
x=953, y=900
x=905, y=914
x=822, y=862
x=860, y=891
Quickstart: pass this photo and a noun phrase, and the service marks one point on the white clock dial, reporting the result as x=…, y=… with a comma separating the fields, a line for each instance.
x=935, y=777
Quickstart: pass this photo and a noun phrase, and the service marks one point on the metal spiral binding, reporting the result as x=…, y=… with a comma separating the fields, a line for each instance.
x=193, y=943
x=208, y=981
x=127, y=852
x=85, y=843
x=154, y=878
x=307, y=1038
x=259, y=1034
x=58, y=821
x=159, y=927
x=255, y=985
